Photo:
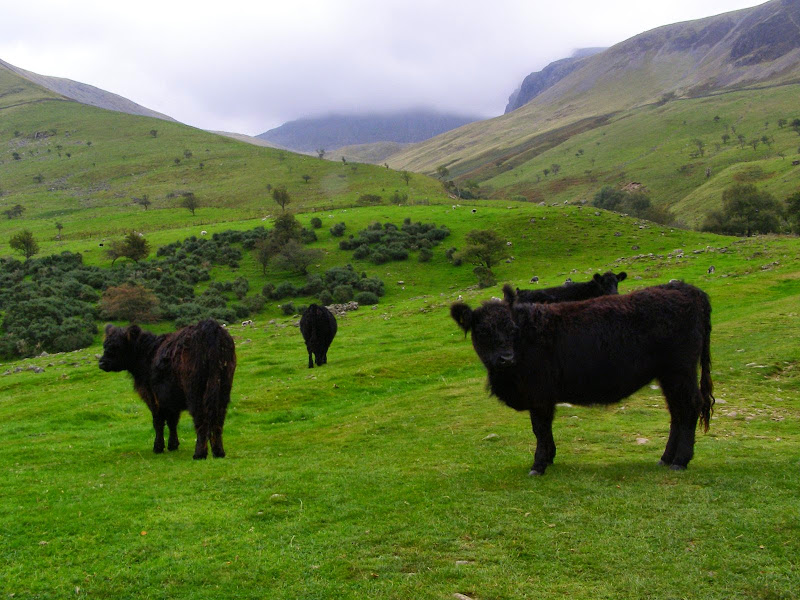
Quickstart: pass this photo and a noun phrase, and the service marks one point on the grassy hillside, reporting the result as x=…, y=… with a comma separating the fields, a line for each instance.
x=657, y=147
x=86, y=165
x=389, y=472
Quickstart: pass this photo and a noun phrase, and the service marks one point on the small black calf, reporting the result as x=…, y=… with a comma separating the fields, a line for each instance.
x=191, y=369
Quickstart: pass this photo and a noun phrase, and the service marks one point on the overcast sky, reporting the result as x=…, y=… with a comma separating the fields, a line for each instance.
x=249, y=66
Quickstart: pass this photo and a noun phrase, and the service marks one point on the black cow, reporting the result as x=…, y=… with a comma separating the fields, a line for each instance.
x=191, y=369
x=599, y=351
x=318, y=326
x=599, y=285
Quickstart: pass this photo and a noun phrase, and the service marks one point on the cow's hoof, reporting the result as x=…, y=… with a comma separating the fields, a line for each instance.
x=200, y=456
x=663, y=463
x=158, y=449
x=172, y=446
x=678, y=467
x=219, y=455
x=535, y=473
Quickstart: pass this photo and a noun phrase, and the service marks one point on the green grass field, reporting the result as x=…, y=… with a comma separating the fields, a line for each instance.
x=378, y=474
x=390, y=472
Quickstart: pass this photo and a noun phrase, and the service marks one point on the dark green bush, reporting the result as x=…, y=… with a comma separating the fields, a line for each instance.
x=366, y=298
x=342, y=293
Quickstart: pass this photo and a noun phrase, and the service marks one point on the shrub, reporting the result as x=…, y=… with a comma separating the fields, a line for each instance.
x=425, y=255
x=129, y=302
x=314, y=285
x=325, y=298
x=486, y=277
x=288, y=308
x=342, y=293
x=240, y=287
x=338, y=230
x=316, y=222
x=366, y=298
x=268, y=290
x=254, y=303
x=285, y=289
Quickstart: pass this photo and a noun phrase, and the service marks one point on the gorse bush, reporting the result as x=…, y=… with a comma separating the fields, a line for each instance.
x=382, y=243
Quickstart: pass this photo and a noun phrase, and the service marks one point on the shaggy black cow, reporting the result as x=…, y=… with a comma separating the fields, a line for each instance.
x=191, y=369
x=318, y=326
x=599, y=351
x=599, y=285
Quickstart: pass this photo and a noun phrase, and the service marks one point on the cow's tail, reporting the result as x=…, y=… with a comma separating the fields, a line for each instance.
x=706, y=385
x=220, y=363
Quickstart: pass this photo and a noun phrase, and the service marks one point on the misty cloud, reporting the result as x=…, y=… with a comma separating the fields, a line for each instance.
x=248, y=67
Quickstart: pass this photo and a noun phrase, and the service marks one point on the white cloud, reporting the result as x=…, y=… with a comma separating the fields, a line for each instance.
x=249, y=66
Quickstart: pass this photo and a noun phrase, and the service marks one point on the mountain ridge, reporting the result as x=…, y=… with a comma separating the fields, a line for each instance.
x=338, y=130
x=85, y=93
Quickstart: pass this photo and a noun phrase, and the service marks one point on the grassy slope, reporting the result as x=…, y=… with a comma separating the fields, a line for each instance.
x=372, y=476
x=652, y=144
x=91, y=191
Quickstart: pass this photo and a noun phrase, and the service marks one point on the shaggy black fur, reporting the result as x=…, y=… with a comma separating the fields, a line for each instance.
x=318, y=326
x=600, y=285
x=599, y=351
x=191, y=369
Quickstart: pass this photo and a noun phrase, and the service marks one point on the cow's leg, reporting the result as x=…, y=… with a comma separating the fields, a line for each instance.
x=683, y=398
x=172, y=423
x=201, y=429
x=215, y=433
x=310, y=360
x=542, y=423
x=158, y=425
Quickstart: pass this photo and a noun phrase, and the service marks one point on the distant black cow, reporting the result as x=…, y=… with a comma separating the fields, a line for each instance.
x=599, y=351
x=318, y=326
x=600, y=285
x=191, y=369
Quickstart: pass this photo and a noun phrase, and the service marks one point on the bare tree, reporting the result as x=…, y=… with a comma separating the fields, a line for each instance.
x=189, y=200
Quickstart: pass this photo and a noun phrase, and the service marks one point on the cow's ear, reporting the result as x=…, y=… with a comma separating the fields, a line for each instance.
x=462, y=314
x=622, y=276
x=508, y=293
x=597, y=277
x=133, y=332
x=108, y=328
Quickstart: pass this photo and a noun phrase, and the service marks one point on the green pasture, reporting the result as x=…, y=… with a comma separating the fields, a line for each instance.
x=390, y=472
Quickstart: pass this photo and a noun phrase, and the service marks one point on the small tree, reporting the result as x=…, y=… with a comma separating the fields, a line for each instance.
x=129, y=302
x=442, y=172
x=745, y=211
x=154, y=133
x=782, y=123
x=133, y=246
x=24, y=243
x=556, y=168
x=14, y=211
x=293, y=257
x=281, y=196
x=189, y=201
x=59, y=227
x=306, y=178
x=406, y=176
x=793, y=211
x=484, y=248
x=144, y=201
x=725, y=138
x=321, y=152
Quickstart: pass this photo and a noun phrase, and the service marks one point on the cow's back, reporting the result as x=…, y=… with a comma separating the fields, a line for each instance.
x=603, y=349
